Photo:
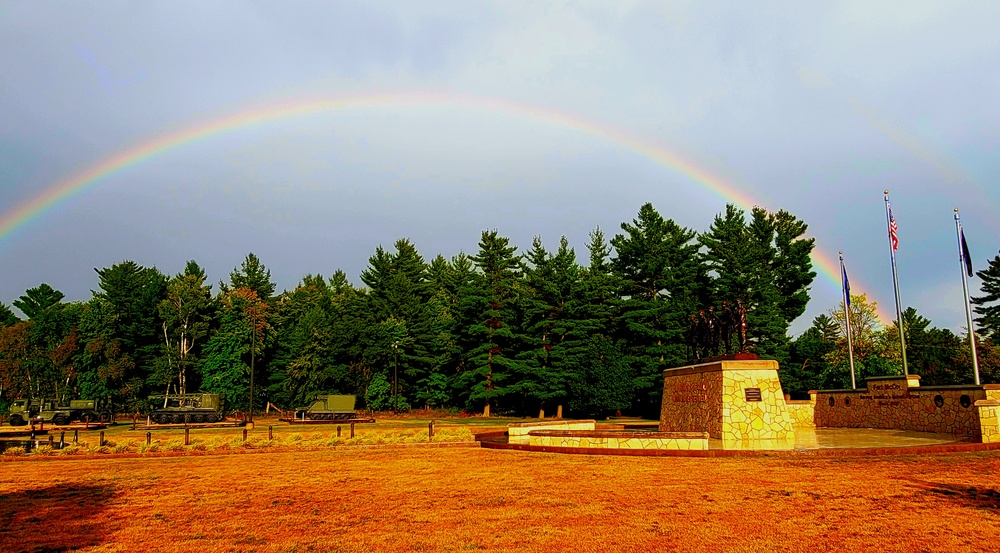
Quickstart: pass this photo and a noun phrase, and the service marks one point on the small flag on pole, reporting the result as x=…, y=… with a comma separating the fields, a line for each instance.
x=892, y=231
x=847, y=285
x=965, y=252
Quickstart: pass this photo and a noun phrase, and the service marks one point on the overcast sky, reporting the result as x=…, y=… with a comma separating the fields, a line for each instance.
x=498, y=115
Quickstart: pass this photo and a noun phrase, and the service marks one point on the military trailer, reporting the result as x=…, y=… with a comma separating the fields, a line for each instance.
x=90, y=410
x=186, y=408
x=24, y=411
x=328, y=407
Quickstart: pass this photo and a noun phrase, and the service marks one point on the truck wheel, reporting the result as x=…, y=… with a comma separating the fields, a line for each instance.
x=59, y=420
x=16, y=420
x=87, y=417
x=105, y=417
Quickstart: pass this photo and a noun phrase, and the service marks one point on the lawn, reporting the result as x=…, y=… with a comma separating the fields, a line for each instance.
x=456, y=499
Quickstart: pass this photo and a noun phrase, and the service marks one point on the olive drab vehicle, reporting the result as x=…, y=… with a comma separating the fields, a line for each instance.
x=186, y=408
x=24, y=411
x=328, y=407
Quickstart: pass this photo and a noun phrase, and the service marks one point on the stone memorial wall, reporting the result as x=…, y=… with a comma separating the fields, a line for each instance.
x=899, y=402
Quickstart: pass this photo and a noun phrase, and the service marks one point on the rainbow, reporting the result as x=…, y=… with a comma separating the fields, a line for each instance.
x=76, y=184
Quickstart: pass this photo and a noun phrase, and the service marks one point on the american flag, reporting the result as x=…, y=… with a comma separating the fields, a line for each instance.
x=893, y=239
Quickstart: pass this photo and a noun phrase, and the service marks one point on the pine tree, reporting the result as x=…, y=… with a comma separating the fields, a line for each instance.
x=399, y=290
x=7, y=317
x=765, y=263
x=663, y=282
x=250, y=274
x=556, y=338
x=123, y=330
x=988, y=305
x=490, y=325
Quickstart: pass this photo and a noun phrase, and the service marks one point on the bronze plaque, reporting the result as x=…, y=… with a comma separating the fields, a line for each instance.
x=752, y=394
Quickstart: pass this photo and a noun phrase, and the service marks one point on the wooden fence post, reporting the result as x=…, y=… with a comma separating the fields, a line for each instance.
x=101, y=442
x=430, y=431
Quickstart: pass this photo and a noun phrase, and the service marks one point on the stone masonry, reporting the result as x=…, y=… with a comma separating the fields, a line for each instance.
x=738, y=402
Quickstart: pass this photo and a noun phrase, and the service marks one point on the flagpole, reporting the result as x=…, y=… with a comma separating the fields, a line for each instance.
x=966, y=267
x=847, y=318
x=895, y=282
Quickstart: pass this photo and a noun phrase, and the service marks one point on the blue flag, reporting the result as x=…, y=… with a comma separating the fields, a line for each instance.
x=965, y=253
x=847, y=285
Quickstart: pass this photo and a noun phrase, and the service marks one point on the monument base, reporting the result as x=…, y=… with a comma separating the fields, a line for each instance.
x=739, y=402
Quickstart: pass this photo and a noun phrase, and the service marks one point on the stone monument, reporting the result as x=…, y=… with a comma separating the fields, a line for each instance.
x=737, y=401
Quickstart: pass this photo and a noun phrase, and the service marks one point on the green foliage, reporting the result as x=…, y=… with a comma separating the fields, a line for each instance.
x=988, y=305
x=7, y=317
x=379, y=397
x=37, y=300
x=230, y=352
x=663, y=282
x=765, y=263
x=495, y=330
x=250, y=274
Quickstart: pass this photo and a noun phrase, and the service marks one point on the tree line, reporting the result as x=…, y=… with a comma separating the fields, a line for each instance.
x=496, y=331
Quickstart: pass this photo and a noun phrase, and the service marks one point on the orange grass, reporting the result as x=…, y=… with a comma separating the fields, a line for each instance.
x=442, y=499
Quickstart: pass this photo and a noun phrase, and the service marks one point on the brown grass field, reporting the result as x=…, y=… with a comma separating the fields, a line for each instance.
x=417, y=498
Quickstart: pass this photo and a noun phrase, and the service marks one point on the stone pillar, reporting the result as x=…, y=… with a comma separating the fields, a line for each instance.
x=737, y=401
x=989, y=409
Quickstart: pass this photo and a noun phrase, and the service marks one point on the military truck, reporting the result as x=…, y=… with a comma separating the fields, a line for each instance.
x=23, y=411
x=327, y=407
x=186, y=408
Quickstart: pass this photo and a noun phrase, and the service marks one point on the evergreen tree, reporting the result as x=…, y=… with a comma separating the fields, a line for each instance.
x=450, y=280
x=988, y=305
x=663, y=282
x=129, y=325
x=556, y=338
x=807, y=358
x=490, y=325
x=765, y=263
x=399, y=289
x=7, y=317
x=37, y=300
x=309, y=358
x=251, y=274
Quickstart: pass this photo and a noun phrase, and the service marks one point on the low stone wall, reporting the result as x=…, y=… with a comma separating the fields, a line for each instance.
x=611, y=439
x=802, y=413
x=900, y=403
x=517, y=433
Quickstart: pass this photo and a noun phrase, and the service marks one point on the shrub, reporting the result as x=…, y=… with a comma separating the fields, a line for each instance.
x=44, y=450
x=14, y=452
x=72, y=449
x=176, y=444
x=153, y=447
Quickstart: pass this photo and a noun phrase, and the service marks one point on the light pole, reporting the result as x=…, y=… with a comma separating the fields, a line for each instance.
x=395, y=376
x=253, y=346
